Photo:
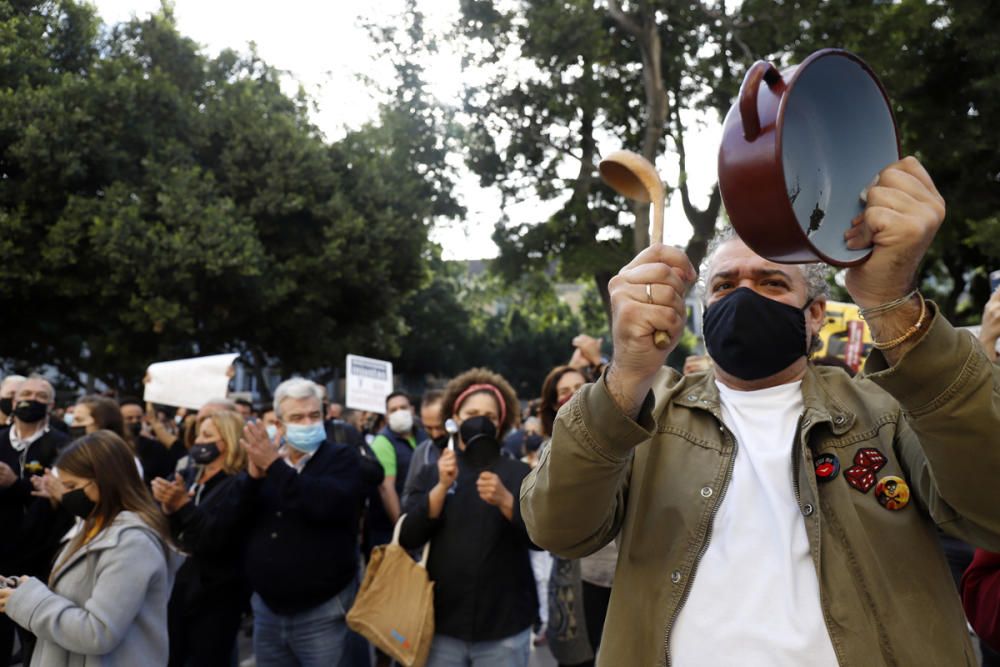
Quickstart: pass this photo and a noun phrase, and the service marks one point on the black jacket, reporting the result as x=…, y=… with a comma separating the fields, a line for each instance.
x=158, y=460
x=302, y=527
x=30, y=526
x=212, y=575
x=484, y=588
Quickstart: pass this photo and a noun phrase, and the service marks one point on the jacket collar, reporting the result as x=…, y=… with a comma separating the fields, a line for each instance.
x=820, y=405
x=106, y=539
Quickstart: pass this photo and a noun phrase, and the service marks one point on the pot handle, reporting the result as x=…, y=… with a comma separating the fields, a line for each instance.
x=748, y=95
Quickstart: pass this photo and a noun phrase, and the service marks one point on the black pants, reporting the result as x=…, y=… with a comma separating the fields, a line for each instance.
x=203, y=637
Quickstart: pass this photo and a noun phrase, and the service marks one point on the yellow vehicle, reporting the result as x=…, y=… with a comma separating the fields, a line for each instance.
x=835, y=333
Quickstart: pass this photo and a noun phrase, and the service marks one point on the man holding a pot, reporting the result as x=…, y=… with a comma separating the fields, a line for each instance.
x=768, y=511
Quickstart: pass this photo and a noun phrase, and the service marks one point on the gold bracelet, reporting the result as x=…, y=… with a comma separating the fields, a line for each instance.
x=888, y=345
x=865, y=313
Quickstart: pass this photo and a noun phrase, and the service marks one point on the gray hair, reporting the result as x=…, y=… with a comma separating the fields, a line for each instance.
x=11, y=379
x=296, y=388
x=815, y=273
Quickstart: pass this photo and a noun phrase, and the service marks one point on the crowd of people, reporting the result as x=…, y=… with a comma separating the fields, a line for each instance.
x=805, y=499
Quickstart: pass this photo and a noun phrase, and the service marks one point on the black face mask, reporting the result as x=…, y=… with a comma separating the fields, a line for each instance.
x=76, y=432
x=78, y=504
x=482, y=449
x=7, y=406
x=441, y=441
x=204, y=453
x=31, y=411
x=135, y=429
x=753, y=337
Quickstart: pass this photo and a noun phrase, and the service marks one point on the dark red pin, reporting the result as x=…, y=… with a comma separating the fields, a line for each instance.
x=867, y=462
x=827, y=467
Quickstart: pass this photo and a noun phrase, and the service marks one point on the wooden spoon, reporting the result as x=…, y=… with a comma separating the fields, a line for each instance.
x=634, y=177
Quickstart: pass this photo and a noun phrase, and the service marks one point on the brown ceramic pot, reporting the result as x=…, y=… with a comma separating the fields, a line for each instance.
x=798, y=148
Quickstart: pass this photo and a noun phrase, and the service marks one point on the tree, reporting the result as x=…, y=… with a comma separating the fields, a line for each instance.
x=939, y=63
x=156, y=203
x=564, y=75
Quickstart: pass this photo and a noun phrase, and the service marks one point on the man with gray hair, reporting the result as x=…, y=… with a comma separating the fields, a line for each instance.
x=27, y=448
x=768, y=511
x=7, y=390
x=298, y=503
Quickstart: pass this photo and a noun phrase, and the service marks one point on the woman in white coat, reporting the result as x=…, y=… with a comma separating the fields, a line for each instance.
x=106, y=600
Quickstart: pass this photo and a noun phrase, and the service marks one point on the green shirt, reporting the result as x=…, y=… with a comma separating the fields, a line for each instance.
x=386, y=453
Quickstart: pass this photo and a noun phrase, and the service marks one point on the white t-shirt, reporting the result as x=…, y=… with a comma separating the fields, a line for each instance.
x=755, y=595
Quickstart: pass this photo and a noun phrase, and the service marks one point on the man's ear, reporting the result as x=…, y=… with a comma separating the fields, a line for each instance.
x=816, y=315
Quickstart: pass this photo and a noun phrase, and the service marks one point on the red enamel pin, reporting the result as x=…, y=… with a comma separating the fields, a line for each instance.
x=867, y=462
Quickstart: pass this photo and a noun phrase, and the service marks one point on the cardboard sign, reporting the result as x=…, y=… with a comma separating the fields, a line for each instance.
x=189, y=383
x=368, y=382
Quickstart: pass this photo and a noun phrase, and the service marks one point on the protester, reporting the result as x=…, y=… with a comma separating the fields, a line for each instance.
x=394, y=447
x=298, y=507
x=425, y=456
x=580, y=589
x=981, y=596
x=691, y=472
x=484, y=592
x=157, y=459
x=27, y=448
x=106, y=599
x=335, y=411
x=211, y=590
x=7, y=390
x=244, y=408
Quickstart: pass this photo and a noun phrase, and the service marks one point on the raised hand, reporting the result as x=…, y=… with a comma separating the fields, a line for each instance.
x=260, y=450
x=171, y=495
x=646, y=296
x=903, y=213
x=492, y=491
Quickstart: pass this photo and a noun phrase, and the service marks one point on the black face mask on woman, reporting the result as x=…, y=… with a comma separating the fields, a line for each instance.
x=77, y=503
x=753, y=337
x=204, y=453
x=482, y=449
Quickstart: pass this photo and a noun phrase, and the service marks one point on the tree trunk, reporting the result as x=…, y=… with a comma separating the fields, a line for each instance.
x=601, y=279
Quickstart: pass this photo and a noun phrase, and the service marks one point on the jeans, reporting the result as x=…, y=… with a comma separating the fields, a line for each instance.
x=316, y=637
x=512, y=651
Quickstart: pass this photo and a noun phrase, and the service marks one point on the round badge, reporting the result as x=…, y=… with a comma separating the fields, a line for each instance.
x=893, y=492
x=827, y=467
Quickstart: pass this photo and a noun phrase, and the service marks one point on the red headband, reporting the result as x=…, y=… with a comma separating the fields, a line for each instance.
x=483, y=387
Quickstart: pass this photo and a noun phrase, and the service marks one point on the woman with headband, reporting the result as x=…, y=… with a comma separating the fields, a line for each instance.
x=484, y=590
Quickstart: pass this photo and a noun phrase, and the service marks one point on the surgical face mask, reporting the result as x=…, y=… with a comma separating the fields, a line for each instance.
x=401, y=421
x=272, y=431
x=751, y=336
x=68, y=418
x=441, y=441
x=204, y=453
x=31, y=411
x=306, y=439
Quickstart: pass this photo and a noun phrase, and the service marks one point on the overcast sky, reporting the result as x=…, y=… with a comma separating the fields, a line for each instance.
x=322, y=45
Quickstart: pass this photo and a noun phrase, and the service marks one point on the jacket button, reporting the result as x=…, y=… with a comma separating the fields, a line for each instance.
x=692, y=397
x=839, y=419
x=706, y=492
x=806, y=422
x=277, y=514
x=274, y=536
x=676, y=576
x=807, y=510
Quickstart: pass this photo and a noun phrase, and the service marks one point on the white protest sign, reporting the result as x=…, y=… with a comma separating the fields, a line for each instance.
x=369, y=381
x=189, y=383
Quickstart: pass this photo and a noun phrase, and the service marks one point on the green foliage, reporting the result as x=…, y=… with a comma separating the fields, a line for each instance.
x=155, y=203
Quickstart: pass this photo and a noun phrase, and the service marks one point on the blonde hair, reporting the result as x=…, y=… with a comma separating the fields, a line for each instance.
x=230, y=426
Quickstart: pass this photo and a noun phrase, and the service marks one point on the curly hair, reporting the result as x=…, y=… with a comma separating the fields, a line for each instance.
x=474, y=376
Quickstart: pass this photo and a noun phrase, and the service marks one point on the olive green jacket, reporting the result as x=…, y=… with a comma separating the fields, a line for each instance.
x=656, y=483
